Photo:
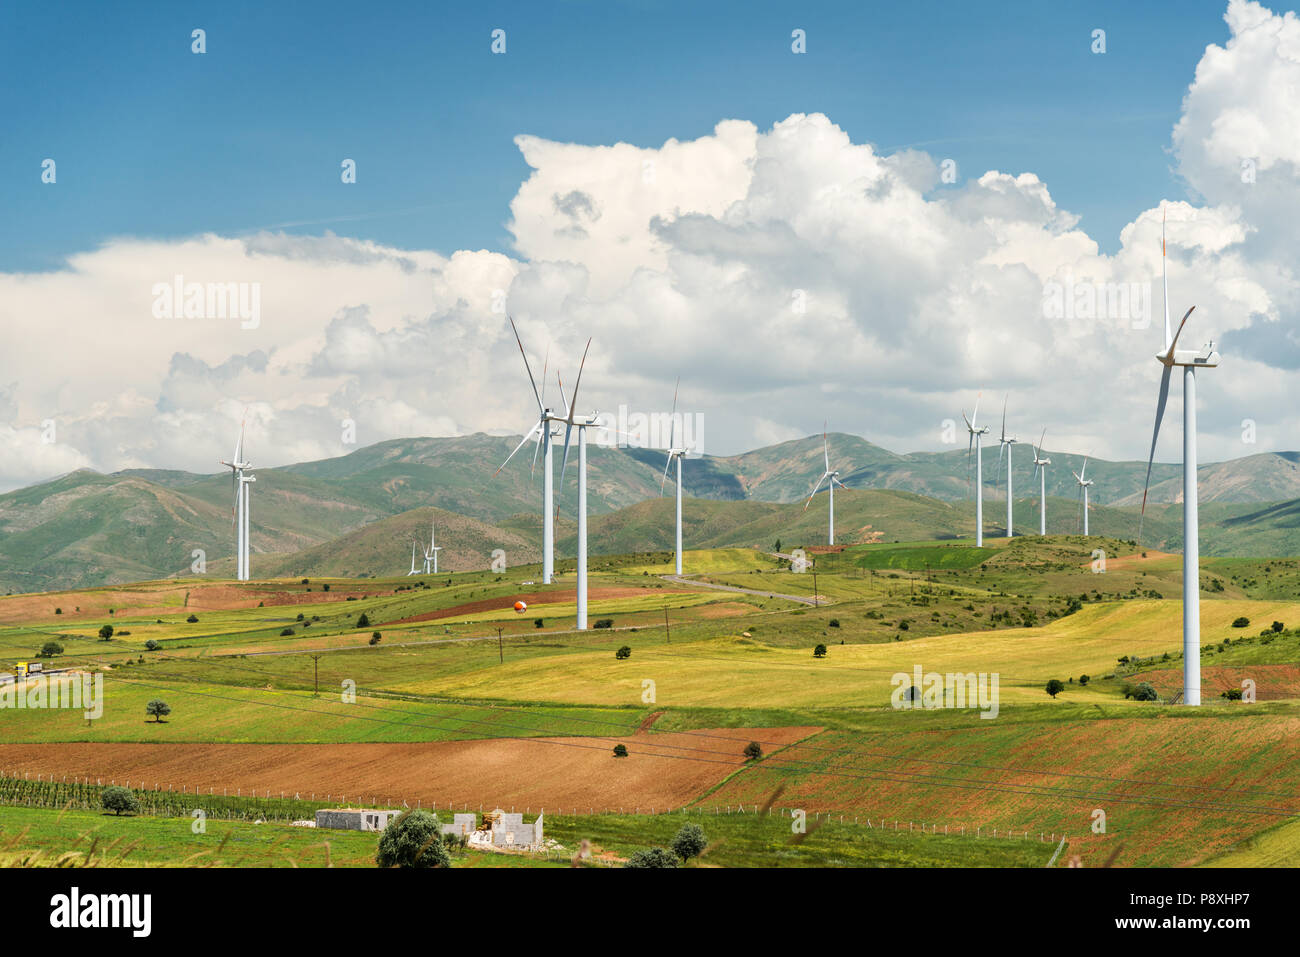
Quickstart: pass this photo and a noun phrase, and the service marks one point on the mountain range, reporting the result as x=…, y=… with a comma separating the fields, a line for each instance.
x=358, y=513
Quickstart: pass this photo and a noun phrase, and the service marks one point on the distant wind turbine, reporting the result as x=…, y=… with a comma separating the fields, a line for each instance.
x=976, y=434
x=241, y=479
x=675, y=453
x=832, y=479
x=1040, y=469
x=1084, y=484
x=1189, y=360
x=1004, y=445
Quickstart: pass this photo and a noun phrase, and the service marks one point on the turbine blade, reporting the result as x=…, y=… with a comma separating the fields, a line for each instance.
x=531, y=381
x=664, y=481
x=528, y=436
x=826, y=448
x=976, y=414
x=1164, y=276
x=813, y=492
x=573, y=403
x=1173, y=345
x=568, y=430
x=540, y=435
x=1155, y=435
x=672, y=419
x=1004, y=416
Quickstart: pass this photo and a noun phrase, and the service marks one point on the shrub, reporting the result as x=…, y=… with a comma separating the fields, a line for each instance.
x=537, y=623
x=1232, y=694
x=819, y=651
x=604, y=622
x=325, y=587
x=753, y=751
x=192, y=619
x=157, y=709
x=151, y=645
x=58, y=611
x=50, y=649
x=363, y=621
x=622, y=653
x=620, y=750
x=1241, y=622
x=119, y=799
x=376, y=638
x=413, y=839
x=689, y=842
x=1084, y=679
x=833, y=623
x=1055, y=687
x=105, y=632
x=300, y=616
x=1278, y=626
x=652, y=857
x=286, y=632
x=1145, y=691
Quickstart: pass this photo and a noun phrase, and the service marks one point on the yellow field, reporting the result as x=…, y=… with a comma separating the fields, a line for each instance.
x=1279, y=847
x=757, y=675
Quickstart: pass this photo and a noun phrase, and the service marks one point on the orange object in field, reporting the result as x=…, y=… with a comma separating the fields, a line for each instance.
x=521, y=606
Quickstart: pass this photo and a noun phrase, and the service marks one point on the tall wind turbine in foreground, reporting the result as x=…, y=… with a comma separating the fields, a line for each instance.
x=571, y=421
x=675, y=453
x=1040, y=469
x=832, y=479
x=976, y=433
x=1189, y=360
x=1084, y=484
x=241, y=480
x=1004, y=445
x=544, y=435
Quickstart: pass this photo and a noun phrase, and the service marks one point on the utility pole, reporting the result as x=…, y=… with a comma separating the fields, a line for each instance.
x=315, y=664
x=667, y=633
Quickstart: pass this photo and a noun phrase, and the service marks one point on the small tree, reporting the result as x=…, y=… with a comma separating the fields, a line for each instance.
x=652, y=857
x=158, y=709
x=151, y=645
x=620, y=750
x=753, y=751
x=1084, y=679
x=193, y=619
x=689, y=842
x=1055, y=687
x=819, y=651
x=50, y=649
x=1242, y=622
x=286, y=632
x=1278, y=626
x=537, y=623
x=833, y=623
x=105, y=632
x=363, y=621
x=1145, y=691
x=413, y=839
x=622, y=653
x=376, y=637
x=119, y=800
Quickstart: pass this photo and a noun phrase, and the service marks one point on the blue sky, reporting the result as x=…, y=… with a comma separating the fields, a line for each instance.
x=153, y=141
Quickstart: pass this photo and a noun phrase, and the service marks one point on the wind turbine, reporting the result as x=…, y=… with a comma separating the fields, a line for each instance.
x=976, y=433
x=432, y=552
x=1040, y=469
x=544, y=435
x=834, y=479
x=1004, y=445
x=1084, y=484
x=240, y=480
x=675, y=453
x=571, y=421
x=1189, y=360
x=414, y=546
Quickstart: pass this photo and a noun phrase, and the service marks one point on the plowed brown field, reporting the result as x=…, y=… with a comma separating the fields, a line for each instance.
x=661, y=770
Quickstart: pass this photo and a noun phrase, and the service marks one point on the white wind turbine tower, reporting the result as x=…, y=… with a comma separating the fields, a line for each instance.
x=976, y=434
x=1004, y=445
x=834, y=479
x=1040, y=469
x=544, y=435
x=1189, y=360
x=241, y=480
x=571, y=421
x=1084, y=484
x=675, y=453
x=414, y=546
x=431, y=553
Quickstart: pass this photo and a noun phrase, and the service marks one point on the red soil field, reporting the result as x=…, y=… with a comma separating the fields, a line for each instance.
x=661, y=771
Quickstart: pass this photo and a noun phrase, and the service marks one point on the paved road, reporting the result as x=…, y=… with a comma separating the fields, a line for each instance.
x=814, y=600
